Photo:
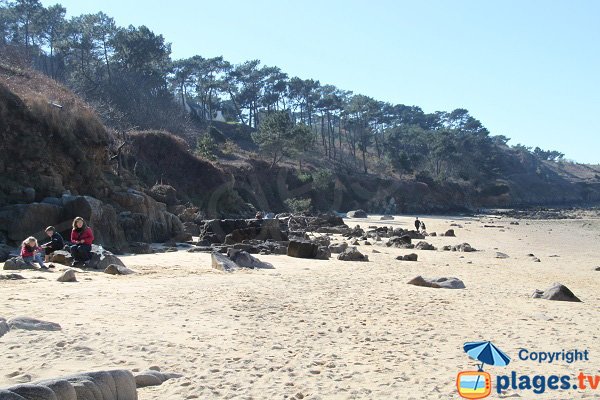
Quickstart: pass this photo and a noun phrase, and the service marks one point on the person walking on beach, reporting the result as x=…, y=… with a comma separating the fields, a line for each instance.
x=56, y=242
x=31, y=252
x=82, y=238
x=417, y=224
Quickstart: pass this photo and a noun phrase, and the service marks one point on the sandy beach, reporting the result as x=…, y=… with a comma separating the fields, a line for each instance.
x=321, y=329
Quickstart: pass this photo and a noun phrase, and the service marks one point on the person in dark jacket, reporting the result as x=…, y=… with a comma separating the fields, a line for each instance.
x=82, y=238
x=56, y=242
x=417, y=224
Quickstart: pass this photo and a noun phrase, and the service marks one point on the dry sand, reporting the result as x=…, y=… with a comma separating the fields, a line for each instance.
x=320, y=329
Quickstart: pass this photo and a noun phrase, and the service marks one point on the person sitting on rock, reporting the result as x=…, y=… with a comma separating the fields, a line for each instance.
x=82, y=238
x=56, y=242
x=31, y=252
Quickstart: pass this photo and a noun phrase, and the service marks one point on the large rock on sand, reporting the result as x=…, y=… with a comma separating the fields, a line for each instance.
x=32, y=324
x=4, y=328
x=408, y=257
x=153, y=378
x=424, y=246
x=558, y=292
x=352, y=254
x=22, y=220
x=357, y=214
x=114, y=269
x=437, y=283
x=245, y=260
x=222, y=263
x=16, y=263
x=302, y=249
x=67, y=276
x=102, y=385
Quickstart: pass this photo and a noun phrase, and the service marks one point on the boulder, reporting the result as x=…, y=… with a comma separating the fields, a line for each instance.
x=11, y=277
x=145, y=219
x=8, y=395
x=463, y=247
x=22, y=220
x=5, y=251
x=33, y=392
x=408, y=257
x=114, y=269
x=101, y=260
x=597, y=269
x=164, y=194
x=153, y=378
x=17, y=263
x=67, y=276
x=100, y=216
x=32, y=324
x=4, y=328
x=449, y=232
x=357, y=214
x=447, y=248
x=337, y=248
x=140, y=248
x=352, y=254
x=244, y=260
x=501, y=255
x=63, y=390
x=323, y=253
x=61, y=257
x=223, y=263
x=433, y=234
x=302, y=249
x=558, y=292
x=386, y=217
x=404, y=242
x=424, y=246
x=437, y=283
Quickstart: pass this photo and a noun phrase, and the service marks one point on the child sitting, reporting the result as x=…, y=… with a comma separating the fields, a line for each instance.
x=56, y=242
x=31, y=252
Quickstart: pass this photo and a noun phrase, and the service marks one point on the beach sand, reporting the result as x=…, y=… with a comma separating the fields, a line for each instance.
x=321, y=329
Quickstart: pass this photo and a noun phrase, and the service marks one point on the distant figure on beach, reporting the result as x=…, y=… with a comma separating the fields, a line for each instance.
x=31, y=252
x=423, y=229
x=82, y=238
x=56, y=242
x=417, y=224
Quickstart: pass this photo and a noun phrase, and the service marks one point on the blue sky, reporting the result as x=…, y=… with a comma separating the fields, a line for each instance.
x=529, y=70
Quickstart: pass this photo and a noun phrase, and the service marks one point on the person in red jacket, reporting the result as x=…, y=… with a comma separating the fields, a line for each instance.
x=31, y=252
x=82, y=238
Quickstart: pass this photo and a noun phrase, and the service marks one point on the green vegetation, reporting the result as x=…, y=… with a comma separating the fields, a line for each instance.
x=128, y=75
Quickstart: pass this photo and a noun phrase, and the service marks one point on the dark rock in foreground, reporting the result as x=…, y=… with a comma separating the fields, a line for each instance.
x=558, y=292
x=437, y=283
x=101, y=385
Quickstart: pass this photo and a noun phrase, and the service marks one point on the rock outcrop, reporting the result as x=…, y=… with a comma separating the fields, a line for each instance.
x=558, y=292
x=352, y=254
x=437, y=283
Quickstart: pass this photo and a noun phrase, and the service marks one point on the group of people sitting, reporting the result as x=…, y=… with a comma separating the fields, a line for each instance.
x=80, y=245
